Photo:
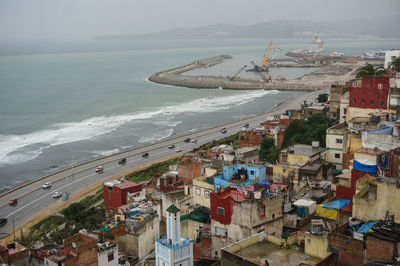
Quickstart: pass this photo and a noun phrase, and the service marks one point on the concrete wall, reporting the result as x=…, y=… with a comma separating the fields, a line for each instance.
x=316, y=246
x=148, y=237
x=103, y=256
x=189, y=228
x=201, y=192
x=388, y=198
x=381, y=141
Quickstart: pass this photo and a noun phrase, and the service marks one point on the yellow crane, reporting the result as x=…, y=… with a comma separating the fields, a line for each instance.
x=266, y=58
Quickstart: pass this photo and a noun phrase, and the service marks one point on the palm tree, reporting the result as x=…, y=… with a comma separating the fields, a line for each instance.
x=369, y=70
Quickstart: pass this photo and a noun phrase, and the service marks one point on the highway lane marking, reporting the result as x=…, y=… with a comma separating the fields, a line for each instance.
x=205, y=137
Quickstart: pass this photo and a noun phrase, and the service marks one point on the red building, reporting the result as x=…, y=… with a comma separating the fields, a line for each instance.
x=372, y=94
x=222, y=205
x=115, y=193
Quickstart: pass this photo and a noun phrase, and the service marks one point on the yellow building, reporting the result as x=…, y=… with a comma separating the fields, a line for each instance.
x=374, y=198
x=293, y=158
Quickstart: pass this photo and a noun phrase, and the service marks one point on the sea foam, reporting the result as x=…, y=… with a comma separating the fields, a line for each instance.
x=15, y=149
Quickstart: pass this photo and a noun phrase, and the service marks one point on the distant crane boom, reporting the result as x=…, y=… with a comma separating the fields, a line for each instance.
x=237, y=73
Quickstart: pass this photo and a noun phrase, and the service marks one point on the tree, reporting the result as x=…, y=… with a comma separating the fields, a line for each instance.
x=74, y=211
x=323, y=97
x=268, y=151
x=306, y=131
x=369, y=70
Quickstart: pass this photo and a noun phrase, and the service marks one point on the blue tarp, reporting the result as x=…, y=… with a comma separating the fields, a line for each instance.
x=263, y=182
x=366, y=227
x=370, y=169
x=337, y=204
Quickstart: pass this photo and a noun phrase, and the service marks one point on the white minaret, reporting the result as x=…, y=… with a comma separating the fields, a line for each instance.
x=173, y=225
x=172, y=249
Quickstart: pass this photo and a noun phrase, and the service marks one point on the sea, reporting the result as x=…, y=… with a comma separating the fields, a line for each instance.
x=63, y=103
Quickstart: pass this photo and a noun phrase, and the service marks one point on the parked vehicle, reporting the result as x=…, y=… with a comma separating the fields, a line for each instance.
x=171, y=146
x=46, y=185
x=145, y=155
x=99, y=169
x=223, y=130
x=178, y=150
x=246, y=125
x=3, y=222
x=122, y=161
x=57, y=194
x=187, y=140
x=13, y=202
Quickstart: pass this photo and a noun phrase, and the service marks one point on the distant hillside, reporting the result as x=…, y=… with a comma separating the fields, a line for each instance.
x=366, y=28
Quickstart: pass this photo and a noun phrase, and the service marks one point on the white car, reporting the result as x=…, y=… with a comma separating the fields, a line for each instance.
x=178, y=150
x=193, y=140
x=46, y=185
x=57, y=194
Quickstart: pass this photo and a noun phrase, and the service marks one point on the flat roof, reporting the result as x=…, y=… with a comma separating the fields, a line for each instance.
x=233, y=193
x=275, y=255
x=303, y=149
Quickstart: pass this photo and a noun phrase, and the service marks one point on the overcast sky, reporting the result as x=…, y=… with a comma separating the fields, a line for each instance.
x=85, y=19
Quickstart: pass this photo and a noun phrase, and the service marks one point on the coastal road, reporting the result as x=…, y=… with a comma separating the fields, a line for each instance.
x=32, y=198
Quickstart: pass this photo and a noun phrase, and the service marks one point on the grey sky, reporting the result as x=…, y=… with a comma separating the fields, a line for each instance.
x=84, y=19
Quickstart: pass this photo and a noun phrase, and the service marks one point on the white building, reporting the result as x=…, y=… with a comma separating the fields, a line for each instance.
x=107, y=254
x=173, y=249
x=390, y=56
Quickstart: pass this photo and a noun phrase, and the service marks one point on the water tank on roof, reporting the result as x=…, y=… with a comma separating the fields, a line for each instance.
x=315, y=144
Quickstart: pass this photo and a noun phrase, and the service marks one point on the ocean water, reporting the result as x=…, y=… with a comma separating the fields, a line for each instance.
x=66, y=103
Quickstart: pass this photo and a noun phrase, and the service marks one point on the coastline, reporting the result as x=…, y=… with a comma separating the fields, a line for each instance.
x=54, y=207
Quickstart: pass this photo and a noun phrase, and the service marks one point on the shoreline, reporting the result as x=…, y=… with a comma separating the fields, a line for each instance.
x=85, y=191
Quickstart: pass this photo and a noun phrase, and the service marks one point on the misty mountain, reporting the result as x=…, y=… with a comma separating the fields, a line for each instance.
x=386, y=27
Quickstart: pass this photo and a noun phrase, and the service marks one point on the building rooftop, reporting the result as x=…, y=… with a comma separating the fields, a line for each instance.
x=303, y=149
x=122, y=185
x=275, y=255
x=233, y=193
x=388, y=130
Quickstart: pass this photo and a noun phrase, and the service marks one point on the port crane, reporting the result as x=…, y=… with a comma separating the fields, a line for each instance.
x=237, y=73
x=266, y=60
x=263, y=76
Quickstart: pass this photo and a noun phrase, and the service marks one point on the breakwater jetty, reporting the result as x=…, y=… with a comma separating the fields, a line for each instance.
x=308, y=82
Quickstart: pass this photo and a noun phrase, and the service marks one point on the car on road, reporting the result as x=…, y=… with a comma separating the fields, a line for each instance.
x=223, y=130
x=171, y=146
x=193, y=140
x=57, y=194
x=3, y=222
x=99, y=169
x=246, y=125
x=46, y=185
x=178, y=150
x=122, y=161
x=13, y=202
x=187, y=140
x=145, y=155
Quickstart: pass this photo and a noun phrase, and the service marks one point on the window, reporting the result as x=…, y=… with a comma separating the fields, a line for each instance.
x=337, y=155
x=273, y=216
x=339, y=141
x=354, y=101
x=371, y=102
x=198, y=191
x=381, y=103
x=216, y=253
x=220, y=211
x=284, y=157
x=362, y=101
x=110, y=256
x=206, y=193
x=354, y=84
x=380, y=86
x=252, y=172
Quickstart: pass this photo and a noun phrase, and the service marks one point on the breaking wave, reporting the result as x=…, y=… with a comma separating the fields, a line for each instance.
x=16, y=149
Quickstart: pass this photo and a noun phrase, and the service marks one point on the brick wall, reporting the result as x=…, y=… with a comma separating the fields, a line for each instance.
x=379, y=249
x=348, y=258
x=188, y=171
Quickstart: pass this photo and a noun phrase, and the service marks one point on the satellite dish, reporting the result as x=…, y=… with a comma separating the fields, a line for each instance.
x=73, y=244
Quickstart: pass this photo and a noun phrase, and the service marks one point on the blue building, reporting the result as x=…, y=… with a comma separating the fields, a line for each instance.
x=238, y=176
x=173, y=249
